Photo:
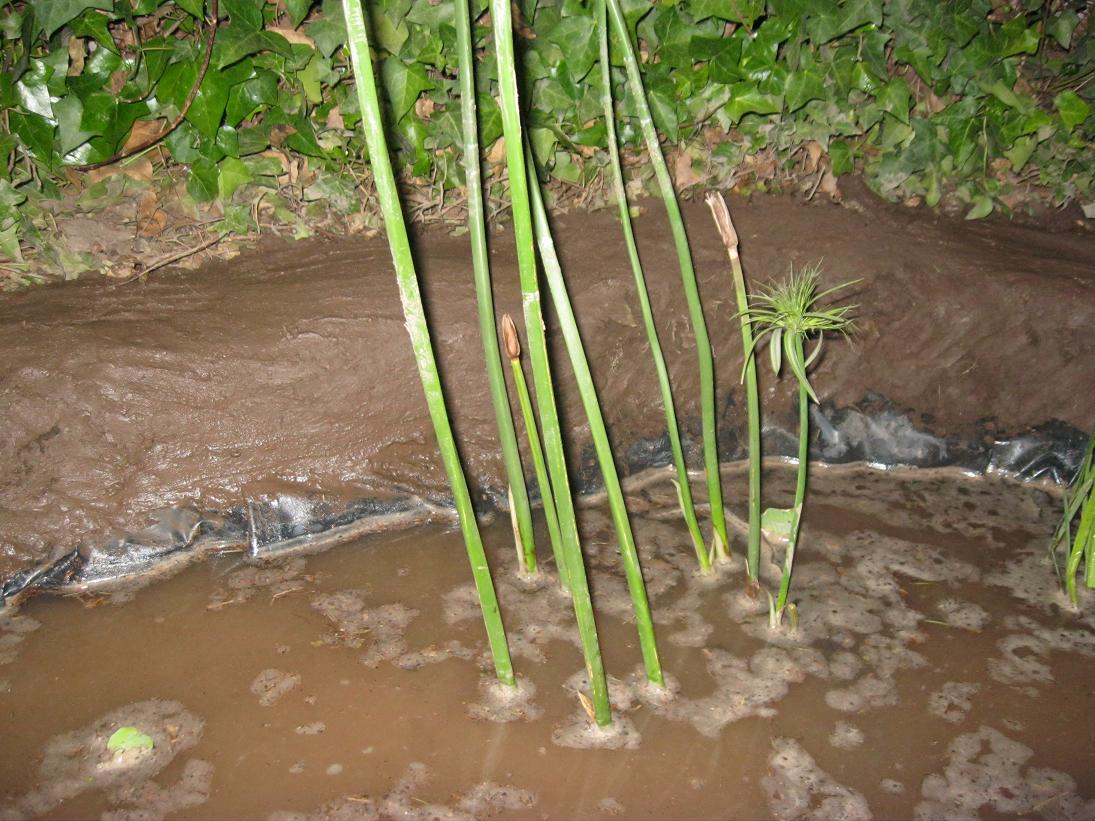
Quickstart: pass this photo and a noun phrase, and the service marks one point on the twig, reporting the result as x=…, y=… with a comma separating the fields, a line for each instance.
x=162, y=261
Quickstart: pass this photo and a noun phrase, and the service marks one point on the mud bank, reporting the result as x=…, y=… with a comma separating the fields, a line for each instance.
x=286, y=374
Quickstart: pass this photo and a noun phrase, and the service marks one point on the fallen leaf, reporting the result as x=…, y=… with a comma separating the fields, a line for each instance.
x=334, y=118
x=813, y=155
x=295, y=37
x=424, y=107
x=76, y=56
x=682, y=171
x=139, y=169
x=151, y=219
x=497, y=153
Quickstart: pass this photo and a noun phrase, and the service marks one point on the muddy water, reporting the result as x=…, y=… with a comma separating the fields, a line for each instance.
x=934, y=674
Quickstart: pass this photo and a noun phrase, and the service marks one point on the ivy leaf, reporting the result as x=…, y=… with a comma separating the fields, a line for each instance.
x=207, y=110
x=747, y=99
x=50, y=15
x=128, y=738
x=736, y=11
x=35, y=132
x=802, y=87
x=403, y=83
x=1060, y=28
x=244, y=12
x=982, y=207
x=895, y=98
x=298, y=10
x=832, y=20
x=840, y=155
x=232, y=173
x=1019, y=154
x=195, y=8
x=1072, y=108
x=203, y=182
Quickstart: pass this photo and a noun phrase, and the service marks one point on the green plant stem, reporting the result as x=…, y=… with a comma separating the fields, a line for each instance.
x=1081, y=548
x=752, y=403
x=588, y=392
x=477, y=228
x=502, y=24
x=800, y=482
x=688, y=280
x=419, y=332
x=540, y=466
x=684, y=487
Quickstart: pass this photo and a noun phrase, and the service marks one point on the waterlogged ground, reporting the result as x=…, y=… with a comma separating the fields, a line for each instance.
x=934, y=674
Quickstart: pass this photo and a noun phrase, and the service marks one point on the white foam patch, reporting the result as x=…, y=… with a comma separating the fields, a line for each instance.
x=483, y=800
x=986, y=769
x=502, y=703
x=964, y=615
x=272, y=685
x=953, y=700
x=845, y=736
x=797, y=788
x=1024, y=657
x=79, y=761
x=277, y=578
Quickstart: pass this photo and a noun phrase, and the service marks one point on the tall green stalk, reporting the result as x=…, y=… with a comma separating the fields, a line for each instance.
x=684, y=487
x=513, y=353
x=502, y=22
x=511, y=457
x=688, y=280
x=419, y=332
x=800, y=481
x=729, y=236
x=588, y=392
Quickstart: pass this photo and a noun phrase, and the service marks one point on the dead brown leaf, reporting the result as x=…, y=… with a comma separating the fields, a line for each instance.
x=144, y=131
x=813, y=151
x=497, y=153
x=280, y=133
x=139, y=169
x=683, y=173
x=334, y=118
x=295, y=37
x=76, y=56
x=424, y=108
x=151, y=219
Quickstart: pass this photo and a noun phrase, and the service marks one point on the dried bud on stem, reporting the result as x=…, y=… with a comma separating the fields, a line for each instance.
x=510, y=339
x=722, y=221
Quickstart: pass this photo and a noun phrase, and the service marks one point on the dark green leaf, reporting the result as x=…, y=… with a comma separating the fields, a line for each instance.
x=232, y=173
x=1071, y=108
x=50, y=15
x=895, y=98
x=203, y=182
x=736, y=11
x=840, y=155
x=748, y=99
x=244, y=13
x=195, y=8
x=403, y=83
x=803, y=86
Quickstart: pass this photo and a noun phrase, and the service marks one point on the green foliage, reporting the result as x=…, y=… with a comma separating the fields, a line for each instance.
x=964, y=99
x=1078, y=544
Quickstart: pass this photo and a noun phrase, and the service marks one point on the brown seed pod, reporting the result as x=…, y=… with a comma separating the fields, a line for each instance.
x=509, y=338
x=722, y=220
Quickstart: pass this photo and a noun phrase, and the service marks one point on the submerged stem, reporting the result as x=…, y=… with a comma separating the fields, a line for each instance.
x=418, y=330
x=507, y=437
x=588, y=392
x=688, y=279
x=688, y=509
x=502, y=22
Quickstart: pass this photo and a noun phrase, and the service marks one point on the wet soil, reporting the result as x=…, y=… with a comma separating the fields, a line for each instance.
x=287, y=370
x=934, y=673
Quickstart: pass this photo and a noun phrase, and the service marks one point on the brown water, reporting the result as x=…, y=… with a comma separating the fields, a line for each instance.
x=934, y=674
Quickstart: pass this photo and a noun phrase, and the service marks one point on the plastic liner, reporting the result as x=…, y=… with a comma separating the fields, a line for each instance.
x=873, y=431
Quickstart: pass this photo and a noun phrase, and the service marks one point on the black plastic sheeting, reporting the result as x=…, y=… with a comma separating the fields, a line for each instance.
x=873, y=431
